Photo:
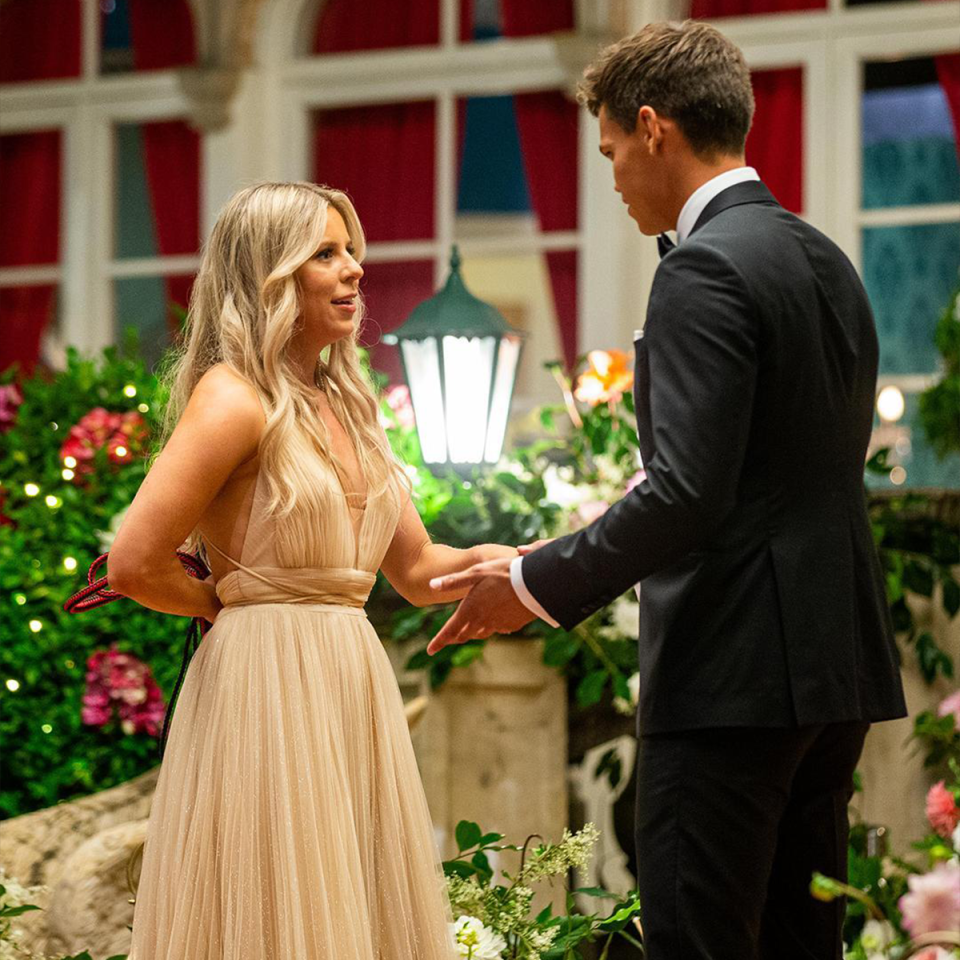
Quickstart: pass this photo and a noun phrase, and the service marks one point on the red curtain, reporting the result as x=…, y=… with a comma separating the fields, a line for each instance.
x=30, y=200
x=775, y=143
x=948, y=72
x=163, y=37
x=714, y=9
x=388, y=165
x=39, y=39
x=548, y=126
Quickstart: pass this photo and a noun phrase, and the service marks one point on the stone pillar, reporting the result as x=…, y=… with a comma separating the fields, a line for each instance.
x=494, y=748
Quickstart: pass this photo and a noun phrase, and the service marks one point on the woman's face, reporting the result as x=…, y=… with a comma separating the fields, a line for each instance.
x=328, y=284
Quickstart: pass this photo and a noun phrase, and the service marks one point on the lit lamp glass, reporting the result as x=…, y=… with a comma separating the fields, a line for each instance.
x=890, y=404
x=460, y=357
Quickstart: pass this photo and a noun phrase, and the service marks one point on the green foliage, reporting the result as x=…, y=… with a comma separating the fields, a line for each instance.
x=940, y=404
x=917, y=554
x=49, y=754
x=939, y=737
x=505, y=907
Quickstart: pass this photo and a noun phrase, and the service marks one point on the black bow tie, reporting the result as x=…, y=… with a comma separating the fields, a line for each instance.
x=664, y=244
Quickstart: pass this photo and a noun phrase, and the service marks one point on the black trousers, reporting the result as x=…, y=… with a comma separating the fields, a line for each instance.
x=731, y=824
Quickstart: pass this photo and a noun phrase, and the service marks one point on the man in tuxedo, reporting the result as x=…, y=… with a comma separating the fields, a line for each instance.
x=765, y=645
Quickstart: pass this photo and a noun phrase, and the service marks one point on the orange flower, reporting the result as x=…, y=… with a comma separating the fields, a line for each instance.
x=605, y=379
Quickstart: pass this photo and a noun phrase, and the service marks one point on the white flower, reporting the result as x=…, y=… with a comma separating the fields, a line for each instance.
x=956, y=839
x=475, y=941
x=876, y=937
x=626, y=617
x=560, y=490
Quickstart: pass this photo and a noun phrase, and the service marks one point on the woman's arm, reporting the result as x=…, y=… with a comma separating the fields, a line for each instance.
x=412, y=561
x=218, y=431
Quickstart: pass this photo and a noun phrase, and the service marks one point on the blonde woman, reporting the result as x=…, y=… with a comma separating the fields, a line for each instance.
x=289, y=819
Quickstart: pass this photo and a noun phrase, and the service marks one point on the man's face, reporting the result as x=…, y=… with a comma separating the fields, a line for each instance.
x=635, y=176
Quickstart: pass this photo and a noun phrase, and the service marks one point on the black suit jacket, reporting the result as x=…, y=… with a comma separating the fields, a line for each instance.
x=762, y=601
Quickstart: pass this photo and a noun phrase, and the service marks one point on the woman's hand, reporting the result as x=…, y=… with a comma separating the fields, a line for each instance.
x=493, y=551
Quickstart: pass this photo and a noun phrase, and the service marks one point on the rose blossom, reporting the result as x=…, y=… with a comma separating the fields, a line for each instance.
x=951, y=705
x=942, y=811
x=10, y=400
x=933, y=903
x=120, y=682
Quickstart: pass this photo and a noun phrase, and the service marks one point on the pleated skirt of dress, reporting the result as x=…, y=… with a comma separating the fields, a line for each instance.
x=289, y=821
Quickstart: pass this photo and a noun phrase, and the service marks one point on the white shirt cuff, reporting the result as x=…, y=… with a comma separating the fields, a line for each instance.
x=525, y=596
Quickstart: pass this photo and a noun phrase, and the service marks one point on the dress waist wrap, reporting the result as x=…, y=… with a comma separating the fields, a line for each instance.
x=337, y=586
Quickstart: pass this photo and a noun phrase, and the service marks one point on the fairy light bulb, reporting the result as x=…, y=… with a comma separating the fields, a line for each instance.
x=35, y=626
x=143, y=407
x=13, y=685
x=121, y=451
x=51, y=501
x=67, y=474
x=31, y=489
x=19, y=599
x=46, y=728
x=70, y=564
x=70, y=462
x=890, y=404
x=129, y=390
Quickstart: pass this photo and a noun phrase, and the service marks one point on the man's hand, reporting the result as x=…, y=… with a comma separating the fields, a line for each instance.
x=491, y=606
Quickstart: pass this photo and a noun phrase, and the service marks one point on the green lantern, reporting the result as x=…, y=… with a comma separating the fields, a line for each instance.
x=460, y=357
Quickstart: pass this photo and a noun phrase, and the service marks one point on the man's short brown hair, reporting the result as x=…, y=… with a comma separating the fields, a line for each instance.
x=689, y=72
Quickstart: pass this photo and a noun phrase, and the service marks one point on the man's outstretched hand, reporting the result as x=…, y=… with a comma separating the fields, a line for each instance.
x=491, y=606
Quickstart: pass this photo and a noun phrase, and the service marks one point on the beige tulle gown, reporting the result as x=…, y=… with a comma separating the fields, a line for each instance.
x=289, y=821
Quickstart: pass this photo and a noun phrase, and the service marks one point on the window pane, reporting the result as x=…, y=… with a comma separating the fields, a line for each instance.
x=492, y=176
x=910, y=274
x=909, y=144
x=145, y=35
x=28, y=318
x=39, y=40
x=30, y=198
x=344, y=26
x=390, y=293
x=152, y=307
x=383, y=157
x=919, y=465
x=775, y=142
x=156, y=200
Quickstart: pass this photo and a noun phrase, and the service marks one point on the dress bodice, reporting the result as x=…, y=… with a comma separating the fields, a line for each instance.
x=333, y=558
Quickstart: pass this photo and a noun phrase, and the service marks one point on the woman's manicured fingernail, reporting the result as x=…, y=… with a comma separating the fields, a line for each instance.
x=436, y=583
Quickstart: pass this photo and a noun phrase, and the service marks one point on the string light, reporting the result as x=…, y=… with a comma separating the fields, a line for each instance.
x=46, y=728
x=19, y=599
x=121, y=451
x=890, y=404
x=36, y=626
x=31, y=489
x=69, y=664
x=898, y=475
x=143, y=407
x=51, y=501
x=13, y=685
x=70, y=564
x=54, y=425
x=129, y=390
x=67, y=474
x=69, y=462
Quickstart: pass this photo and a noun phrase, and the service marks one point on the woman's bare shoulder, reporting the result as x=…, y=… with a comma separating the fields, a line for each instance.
x=226, y=406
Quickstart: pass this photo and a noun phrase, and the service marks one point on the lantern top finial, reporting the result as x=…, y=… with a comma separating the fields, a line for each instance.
x=453, y=310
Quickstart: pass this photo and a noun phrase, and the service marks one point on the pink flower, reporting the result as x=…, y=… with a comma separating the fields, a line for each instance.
x=119, y=682
x=10, y=400
x=636, y=479
x=932, y=953
x=951, y=705
x=933, y=903
x=398, y=400
x=942, y=810
x=123, y=434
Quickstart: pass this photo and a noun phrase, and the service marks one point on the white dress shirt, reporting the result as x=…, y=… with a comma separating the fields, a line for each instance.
x=689, y=215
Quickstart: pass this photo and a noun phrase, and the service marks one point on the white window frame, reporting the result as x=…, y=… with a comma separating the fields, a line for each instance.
x=86, y=111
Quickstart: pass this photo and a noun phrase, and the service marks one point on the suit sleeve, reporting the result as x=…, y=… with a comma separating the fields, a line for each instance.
x=701, y=342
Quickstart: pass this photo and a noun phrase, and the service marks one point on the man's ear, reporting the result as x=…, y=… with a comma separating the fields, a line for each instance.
x=649, y=128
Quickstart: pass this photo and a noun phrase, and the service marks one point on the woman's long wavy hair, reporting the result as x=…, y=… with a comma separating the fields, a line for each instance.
x=244, y=311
